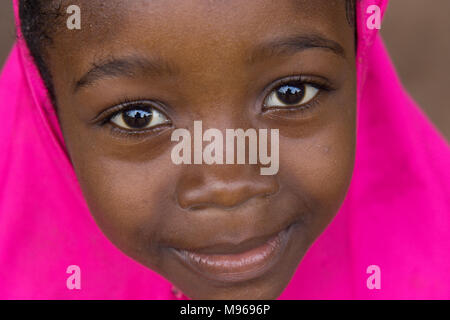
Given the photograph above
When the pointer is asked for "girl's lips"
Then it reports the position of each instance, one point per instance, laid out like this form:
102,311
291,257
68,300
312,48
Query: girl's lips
234,267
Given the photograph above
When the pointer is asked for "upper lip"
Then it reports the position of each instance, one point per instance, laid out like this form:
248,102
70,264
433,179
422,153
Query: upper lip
235,248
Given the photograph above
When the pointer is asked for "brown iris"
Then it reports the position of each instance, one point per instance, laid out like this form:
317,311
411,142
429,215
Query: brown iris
137,119
292,93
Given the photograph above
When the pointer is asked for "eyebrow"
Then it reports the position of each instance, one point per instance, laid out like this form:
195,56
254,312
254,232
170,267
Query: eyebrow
128,66
293,44
133,65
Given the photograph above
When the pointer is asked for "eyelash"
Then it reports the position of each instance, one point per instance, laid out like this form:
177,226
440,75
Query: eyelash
122,105
126,104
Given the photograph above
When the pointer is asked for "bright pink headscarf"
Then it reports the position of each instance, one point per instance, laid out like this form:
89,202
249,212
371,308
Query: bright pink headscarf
396,214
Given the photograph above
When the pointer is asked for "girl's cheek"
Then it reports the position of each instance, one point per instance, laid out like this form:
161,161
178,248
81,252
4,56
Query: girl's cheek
124,197
320,165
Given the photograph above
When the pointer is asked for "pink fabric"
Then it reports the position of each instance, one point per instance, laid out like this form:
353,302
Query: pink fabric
396,214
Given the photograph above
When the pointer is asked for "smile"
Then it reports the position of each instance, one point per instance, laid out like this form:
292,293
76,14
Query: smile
245,263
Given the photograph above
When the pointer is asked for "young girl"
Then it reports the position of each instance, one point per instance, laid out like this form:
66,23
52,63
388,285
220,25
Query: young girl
93,207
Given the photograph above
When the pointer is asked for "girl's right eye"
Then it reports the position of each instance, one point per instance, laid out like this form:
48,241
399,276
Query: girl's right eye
139,118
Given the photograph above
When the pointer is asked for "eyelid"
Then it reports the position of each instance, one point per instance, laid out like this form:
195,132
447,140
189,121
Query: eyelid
317,81
123,105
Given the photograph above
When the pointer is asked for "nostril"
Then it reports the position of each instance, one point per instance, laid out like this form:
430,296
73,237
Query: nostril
224,195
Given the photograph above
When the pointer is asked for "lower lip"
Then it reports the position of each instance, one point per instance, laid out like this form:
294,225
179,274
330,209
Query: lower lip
240,266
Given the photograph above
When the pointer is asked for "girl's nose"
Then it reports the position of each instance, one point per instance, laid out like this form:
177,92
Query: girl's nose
223,186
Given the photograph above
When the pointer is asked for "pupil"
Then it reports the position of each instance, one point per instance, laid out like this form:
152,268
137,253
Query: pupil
291,94
137,118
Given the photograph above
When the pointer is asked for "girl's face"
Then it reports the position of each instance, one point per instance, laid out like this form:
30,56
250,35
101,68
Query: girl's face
138,70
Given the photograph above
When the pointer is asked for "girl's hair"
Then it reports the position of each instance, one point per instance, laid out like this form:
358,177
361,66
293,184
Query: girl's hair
39,17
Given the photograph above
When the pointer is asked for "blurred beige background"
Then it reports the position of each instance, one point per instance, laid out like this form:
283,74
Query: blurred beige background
6,29
417,34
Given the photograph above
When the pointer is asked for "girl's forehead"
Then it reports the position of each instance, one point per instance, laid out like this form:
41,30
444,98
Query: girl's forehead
103,21
195,33
201,5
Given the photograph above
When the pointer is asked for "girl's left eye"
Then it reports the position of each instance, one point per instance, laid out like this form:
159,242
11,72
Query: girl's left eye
139,118
292,94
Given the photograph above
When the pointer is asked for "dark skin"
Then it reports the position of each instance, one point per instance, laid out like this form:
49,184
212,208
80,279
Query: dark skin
142,201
